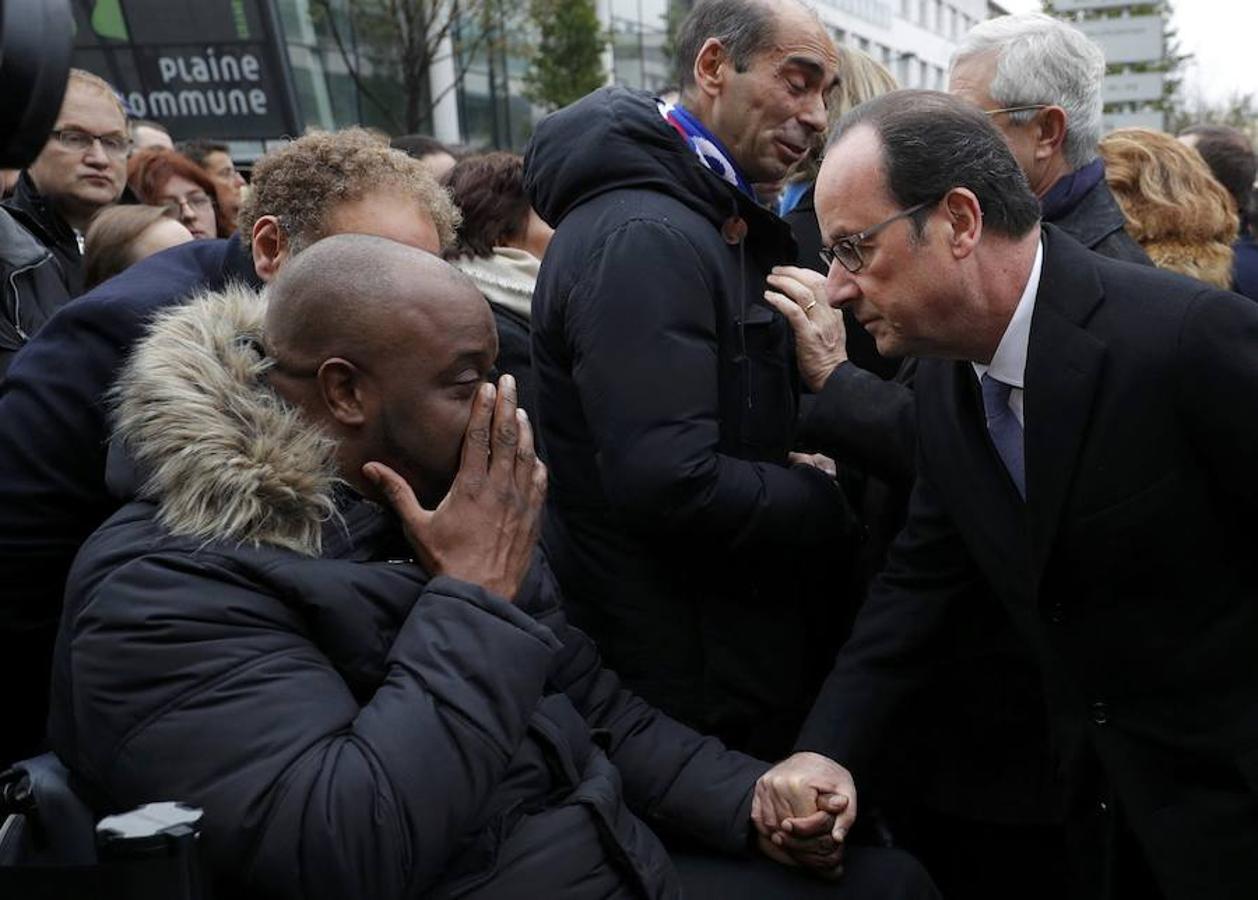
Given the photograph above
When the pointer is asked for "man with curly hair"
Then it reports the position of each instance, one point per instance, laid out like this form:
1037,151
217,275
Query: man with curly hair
54,447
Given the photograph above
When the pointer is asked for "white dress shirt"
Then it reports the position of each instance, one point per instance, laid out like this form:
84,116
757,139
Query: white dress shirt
1008,365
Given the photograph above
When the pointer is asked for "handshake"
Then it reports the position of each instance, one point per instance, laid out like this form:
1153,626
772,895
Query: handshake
803,809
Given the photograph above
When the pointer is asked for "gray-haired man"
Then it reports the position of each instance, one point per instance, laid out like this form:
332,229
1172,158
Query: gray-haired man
1039,80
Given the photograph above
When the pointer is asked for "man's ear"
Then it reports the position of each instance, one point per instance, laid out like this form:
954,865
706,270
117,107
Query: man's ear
1050,131
711,68
965,221
343,392
270,247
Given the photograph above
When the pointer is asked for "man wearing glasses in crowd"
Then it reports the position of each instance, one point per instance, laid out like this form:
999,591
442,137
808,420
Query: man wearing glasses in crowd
1039,80
81,170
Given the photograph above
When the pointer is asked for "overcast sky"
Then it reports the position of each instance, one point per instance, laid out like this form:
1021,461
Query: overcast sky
1221,34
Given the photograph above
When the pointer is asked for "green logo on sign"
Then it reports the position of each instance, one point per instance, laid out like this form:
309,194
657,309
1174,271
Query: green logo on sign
107,20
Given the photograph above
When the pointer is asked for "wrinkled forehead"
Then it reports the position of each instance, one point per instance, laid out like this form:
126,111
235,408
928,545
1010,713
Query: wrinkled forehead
85,103
800,39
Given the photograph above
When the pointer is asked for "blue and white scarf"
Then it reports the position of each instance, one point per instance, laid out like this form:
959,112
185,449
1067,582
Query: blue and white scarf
706,145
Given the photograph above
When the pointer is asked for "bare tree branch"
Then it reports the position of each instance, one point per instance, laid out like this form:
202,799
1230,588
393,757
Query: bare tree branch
350,66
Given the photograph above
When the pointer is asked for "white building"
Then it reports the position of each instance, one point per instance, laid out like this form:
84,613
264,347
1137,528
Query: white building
914,39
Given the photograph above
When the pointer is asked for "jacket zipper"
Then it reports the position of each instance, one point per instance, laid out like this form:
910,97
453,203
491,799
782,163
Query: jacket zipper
17,297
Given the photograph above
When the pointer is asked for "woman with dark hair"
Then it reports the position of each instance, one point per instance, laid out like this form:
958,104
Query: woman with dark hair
121,236
500,245
161,177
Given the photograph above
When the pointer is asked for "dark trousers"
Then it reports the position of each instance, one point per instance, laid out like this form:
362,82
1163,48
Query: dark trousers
984,861
869,873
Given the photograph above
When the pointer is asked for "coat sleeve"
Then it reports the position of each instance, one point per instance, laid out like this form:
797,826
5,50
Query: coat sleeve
676,779
646,366
309,792
1217,377
895,639
673,777
862,420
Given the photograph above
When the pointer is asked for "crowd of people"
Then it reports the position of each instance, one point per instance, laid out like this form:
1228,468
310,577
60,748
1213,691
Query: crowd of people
785,486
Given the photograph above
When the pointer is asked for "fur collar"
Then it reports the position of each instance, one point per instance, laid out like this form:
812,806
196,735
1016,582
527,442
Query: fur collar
221,454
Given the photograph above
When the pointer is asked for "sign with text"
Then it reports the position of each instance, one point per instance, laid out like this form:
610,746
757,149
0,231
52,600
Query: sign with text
1127,40
203,68
1132,87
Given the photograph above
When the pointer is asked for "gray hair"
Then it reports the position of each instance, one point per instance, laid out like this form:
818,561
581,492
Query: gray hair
1044,60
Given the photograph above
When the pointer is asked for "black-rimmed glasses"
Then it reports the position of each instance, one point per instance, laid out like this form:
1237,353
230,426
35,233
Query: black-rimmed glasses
115,145
846,250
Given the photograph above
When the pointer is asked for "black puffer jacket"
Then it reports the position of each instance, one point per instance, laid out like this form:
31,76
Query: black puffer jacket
32,287
37,216
351,728
667,394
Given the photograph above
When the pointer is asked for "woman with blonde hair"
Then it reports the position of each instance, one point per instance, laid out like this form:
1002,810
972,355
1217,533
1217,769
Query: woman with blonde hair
1183,218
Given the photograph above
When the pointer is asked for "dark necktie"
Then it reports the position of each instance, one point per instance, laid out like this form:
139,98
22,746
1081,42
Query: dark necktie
1005,429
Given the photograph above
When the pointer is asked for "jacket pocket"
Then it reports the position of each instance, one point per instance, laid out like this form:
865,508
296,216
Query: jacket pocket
766,405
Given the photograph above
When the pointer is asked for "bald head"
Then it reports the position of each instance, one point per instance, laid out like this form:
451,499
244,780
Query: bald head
385,346
359,297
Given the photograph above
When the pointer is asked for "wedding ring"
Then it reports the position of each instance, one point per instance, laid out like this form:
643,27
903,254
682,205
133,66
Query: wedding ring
808,308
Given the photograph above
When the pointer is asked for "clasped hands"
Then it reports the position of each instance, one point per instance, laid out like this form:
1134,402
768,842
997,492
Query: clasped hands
802,810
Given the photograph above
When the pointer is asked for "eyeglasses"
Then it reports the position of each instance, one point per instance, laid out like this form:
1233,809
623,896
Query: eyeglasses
1014,109
846,250
198,203
116,146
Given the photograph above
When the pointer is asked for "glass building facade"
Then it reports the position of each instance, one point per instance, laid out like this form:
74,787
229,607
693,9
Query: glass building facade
492,57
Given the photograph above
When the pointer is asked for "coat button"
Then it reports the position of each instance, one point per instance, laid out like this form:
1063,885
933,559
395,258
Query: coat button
734,229
1056,614
1100,713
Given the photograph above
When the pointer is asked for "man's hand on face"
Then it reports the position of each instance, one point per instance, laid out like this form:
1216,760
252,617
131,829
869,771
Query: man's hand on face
485,529
803,809
820,338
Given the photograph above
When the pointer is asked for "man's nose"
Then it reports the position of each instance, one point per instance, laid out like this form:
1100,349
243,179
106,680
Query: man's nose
95,154
841,287
813,115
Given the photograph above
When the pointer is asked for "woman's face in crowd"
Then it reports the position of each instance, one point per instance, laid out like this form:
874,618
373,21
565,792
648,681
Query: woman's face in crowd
161,235
189,205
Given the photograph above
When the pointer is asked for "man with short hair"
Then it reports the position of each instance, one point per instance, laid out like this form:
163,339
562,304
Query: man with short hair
686,543
1080,456
1040,79
1230,155
146,133
215,157
53,490
374,705
81,170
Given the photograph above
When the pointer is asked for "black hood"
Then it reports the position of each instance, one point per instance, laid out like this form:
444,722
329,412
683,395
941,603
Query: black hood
615,138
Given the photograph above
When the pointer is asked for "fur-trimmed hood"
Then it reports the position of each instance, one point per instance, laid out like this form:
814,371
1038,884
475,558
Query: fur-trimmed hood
219,452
